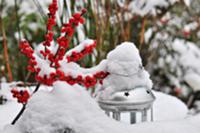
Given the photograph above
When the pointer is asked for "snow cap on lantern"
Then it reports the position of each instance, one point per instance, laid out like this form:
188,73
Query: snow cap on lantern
126,71
124,60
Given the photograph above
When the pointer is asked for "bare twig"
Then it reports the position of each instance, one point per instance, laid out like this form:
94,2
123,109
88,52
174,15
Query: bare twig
19,114
142,32
6,54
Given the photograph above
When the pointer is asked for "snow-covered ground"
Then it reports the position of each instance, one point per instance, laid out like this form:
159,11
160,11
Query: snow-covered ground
75,109
7,112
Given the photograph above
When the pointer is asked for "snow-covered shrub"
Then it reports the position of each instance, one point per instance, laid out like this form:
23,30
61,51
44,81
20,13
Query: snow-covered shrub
173,44
178,65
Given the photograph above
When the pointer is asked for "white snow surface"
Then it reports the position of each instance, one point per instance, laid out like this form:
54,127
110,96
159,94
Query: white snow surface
80,47
193,79
144,7
72,107
168,108
7,112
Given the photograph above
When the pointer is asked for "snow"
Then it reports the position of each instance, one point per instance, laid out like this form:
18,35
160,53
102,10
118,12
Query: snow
5,90
191,26
53,48
144,7
80,47
190,61
148,34
7,112
187,2
126,51
193,79
126,71
168,108
29,7
44,65
72,107
181,65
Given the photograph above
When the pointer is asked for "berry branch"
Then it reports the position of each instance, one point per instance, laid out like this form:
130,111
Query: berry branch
54,62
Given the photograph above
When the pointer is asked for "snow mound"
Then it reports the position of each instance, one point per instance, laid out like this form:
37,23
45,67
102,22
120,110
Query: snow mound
125,52
8,111
71,107
124,59
168,107
66,107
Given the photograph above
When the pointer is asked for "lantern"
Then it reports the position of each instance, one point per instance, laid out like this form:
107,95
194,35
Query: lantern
137,100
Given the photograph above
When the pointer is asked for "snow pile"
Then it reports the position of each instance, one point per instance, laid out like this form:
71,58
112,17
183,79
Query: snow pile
145,7
5,90
125,70
65,107
8,111
168,107
71,107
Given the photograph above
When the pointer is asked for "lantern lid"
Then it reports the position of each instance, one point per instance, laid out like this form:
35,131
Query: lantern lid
139,98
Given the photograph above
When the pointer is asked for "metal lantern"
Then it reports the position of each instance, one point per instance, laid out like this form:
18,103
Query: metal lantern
137,100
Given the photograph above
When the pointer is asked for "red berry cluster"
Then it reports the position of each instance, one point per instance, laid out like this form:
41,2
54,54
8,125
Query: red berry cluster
75,56
101,75
28,51
87,81
48,80
51,22
76,19
22,95
68,31
186,33
53,7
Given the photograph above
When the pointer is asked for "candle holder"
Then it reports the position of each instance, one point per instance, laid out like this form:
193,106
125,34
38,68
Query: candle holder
137,100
